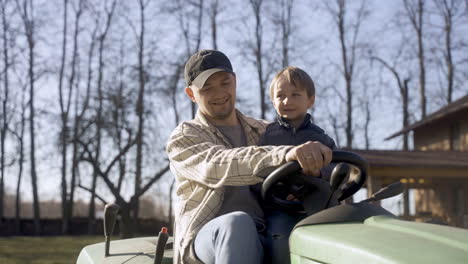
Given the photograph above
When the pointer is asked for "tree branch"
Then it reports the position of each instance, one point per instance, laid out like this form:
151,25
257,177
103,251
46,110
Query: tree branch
153,180
97,195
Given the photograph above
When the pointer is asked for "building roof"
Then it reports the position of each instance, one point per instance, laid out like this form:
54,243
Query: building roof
451,108
414,159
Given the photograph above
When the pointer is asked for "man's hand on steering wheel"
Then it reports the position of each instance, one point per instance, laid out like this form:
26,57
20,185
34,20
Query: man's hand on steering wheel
312,156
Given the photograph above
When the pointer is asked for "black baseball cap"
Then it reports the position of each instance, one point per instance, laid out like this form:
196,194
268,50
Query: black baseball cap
203,64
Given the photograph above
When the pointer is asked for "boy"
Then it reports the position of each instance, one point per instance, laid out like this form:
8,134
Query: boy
292,92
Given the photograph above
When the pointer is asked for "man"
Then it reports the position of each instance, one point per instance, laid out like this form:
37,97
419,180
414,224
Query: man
215,161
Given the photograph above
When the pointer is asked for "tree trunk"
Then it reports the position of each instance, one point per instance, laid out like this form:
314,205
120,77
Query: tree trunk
348,35
173,91
404,94
198,41
91,220
256,6
450,65
92,205
214,25
118,119
70,203
421,58
286,17
64,119
405,107
349,114
20,170
97,155
448,11
416,15
20,162
28,21
347,64
126,230
185,27
171,189
6,91
367,124
37,215
99,120
140,109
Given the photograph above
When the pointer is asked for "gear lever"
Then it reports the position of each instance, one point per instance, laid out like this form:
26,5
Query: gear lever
110,217
338,176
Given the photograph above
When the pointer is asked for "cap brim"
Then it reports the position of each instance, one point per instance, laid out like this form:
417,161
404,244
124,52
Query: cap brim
200,80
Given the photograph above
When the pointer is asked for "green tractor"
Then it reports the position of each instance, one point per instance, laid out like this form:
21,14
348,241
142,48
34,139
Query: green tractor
360,232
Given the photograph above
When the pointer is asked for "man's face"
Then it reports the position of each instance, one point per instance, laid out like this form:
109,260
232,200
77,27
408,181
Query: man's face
291,102
217,97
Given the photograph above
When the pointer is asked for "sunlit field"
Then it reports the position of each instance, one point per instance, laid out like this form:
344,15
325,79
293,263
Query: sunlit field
42,250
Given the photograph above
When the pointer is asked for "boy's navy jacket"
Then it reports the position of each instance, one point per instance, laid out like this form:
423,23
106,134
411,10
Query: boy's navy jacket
283,133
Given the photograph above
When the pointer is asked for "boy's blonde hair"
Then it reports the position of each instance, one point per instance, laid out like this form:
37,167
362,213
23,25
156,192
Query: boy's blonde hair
297,77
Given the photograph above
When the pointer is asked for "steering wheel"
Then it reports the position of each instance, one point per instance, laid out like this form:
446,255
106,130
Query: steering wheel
315,191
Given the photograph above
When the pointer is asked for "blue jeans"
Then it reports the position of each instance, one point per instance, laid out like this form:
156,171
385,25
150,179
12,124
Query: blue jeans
233,238
276,244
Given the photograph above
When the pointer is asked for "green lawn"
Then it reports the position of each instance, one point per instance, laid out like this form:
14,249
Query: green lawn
43,250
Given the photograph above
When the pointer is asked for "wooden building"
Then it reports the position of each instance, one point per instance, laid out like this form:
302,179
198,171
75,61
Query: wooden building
437,168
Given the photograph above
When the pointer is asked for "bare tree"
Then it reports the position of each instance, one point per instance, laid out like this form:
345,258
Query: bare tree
173,89
119,116
5,100
450,11
104,173
336,128
285,23
368,118
113,117
171,203
64,110
8,111
26,10
258,52
109,13
69,195
140,106
403,89
348,34
192,41
415,12
214,12
365,104
78,128
192,44
20,138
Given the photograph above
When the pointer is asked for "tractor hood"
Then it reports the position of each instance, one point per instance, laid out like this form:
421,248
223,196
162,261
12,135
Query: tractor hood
134,250
378,239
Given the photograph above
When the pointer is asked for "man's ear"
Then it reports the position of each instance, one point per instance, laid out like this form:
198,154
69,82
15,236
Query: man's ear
311,101
189,93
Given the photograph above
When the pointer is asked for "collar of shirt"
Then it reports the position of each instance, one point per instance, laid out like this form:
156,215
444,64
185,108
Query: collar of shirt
285,123
249,124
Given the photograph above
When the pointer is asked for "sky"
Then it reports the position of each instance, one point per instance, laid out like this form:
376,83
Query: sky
315,49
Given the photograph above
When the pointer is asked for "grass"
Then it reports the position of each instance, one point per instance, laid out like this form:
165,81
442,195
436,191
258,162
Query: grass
42,250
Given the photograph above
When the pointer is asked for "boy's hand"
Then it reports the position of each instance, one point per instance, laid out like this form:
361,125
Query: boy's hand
291,197
312,156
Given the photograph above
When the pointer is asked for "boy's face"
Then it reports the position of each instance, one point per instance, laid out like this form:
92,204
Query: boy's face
291,102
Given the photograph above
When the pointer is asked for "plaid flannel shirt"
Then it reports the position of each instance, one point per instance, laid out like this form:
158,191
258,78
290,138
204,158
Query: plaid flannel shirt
203,162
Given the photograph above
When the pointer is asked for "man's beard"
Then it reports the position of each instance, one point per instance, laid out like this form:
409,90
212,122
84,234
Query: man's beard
223,115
